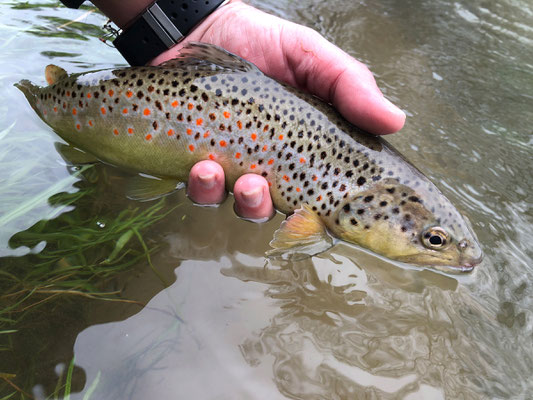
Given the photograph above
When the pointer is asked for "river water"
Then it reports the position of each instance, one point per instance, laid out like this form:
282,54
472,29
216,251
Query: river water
221,321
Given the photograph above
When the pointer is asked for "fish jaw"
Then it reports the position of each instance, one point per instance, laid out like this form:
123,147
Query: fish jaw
393,220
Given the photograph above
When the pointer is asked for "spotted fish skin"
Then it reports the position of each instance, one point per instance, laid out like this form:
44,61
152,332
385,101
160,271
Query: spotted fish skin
210,104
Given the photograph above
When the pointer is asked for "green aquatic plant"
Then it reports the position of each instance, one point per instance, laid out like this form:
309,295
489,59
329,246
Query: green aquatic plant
70,260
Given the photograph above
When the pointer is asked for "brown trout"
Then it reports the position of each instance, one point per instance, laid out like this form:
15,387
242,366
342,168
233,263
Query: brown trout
329,176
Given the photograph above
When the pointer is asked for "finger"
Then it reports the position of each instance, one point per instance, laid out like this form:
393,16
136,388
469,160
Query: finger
206,183
252,198
325,70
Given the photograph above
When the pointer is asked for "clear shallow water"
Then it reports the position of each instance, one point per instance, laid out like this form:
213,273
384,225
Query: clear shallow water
221,321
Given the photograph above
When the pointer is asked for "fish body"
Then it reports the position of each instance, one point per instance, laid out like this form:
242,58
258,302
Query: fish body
210,104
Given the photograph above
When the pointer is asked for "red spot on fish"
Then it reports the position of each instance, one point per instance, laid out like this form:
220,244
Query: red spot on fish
148,137
74,111
125,111
190,106
211,157
103,110
90,123
199,121
130,131
147,111
226,114
252,166
280,137
319,198
189,131
271,161
237,155
269,184
115,131
286,178
175,103
253,136
298,189
55,109
191,147
265,128
206,134
129,94
265,147
302,160
68,93
315,177
239,124
170,132
78,126
223,143
111,92
89,95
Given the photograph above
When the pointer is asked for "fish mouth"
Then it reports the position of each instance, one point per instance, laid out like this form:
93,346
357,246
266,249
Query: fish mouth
465,267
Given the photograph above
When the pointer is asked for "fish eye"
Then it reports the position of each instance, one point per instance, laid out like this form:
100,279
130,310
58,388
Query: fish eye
435,238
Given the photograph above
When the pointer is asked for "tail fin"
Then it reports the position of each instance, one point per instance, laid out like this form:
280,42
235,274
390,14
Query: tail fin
31,92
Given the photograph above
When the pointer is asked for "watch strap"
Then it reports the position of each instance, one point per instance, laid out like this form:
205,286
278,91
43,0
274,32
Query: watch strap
161,26
73,3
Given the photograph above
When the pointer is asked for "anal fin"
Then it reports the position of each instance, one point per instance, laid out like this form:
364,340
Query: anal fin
143,188
74,156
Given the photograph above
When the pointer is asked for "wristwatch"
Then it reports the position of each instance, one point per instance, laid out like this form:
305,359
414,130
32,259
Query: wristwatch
161,26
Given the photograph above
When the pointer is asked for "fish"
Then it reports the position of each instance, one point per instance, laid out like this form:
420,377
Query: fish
333,180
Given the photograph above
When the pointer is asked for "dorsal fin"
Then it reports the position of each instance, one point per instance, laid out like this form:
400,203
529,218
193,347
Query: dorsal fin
53,73
203,56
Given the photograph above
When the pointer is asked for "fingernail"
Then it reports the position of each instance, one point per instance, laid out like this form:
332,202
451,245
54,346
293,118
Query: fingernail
393,108
253,198
207,180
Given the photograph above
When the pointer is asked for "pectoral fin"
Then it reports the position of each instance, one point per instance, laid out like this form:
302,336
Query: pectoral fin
143,188
302,234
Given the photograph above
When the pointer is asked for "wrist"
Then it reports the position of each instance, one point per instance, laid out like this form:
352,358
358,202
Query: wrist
159,25
198,34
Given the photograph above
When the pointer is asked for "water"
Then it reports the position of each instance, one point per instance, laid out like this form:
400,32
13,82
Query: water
222,322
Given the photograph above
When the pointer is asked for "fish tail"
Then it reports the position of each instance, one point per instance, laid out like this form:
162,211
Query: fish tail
31,92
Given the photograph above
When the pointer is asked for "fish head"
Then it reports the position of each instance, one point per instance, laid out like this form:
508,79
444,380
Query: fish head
413,226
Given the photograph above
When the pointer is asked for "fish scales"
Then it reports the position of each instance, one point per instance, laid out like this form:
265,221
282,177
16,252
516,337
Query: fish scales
212,105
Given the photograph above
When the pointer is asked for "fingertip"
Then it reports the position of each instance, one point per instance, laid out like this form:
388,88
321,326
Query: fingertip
252,198
371,111
206,183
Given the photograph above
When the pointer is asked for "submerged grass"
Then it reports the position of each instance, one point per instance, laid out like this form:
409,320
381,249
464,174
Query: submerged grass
70,259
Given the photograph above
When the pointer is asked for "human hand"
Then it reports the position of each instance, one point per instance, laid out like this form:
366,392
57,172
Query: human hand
290,53
252,197
300,57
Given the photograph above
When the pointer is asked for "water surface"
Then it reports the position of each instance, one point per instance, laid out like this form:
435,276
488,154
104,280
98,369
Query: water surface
221,321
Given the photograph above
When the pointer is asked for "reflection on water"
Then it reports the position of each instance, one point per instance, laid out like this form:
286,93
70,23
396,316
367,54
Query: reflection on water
221,321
